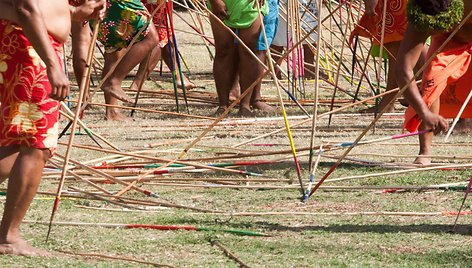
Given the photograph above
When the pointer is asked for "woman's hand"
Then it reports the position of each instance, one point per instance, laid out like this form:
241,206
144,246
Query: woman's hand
219,9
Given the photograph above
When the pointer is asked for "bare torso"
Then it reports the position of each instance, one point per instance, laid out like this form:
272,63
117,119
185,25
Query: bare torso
55,13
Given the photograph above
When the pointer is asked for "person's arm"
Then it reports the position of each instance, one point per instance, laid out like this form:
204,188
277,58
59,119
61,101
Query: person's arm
407,57
89,10
7,12
31,20
370,7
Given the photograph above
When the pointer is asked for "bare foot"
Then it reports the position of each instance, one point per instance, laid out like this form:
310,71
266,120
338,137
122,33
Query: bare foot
260,105
422,160
220,110
188,84
245,112
22,248
113,114
117,92
234,94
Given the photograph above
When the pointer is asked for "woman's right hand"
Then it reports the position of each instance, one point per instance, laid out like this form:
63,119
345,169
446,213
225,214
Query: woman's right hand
219,9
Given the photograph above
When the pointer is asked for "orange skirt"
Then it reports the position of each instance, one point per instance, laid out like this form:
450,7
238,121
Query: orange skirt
448,78
395,23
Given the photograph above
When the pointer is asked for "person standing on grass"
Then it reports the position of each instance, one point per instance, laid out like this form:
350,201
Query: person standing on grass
308,11
231,58
32,82
125,19
162,50
270,22
446,80
371,25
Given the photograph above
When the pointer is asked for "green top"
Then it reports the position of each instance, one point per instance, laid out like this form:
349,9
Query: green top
241,13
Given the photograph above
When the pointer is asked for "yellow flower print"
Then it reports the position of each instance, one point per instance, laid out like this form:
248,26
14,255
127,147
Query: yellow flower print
26,116
10,43
50,139
124,29
36,58
3,67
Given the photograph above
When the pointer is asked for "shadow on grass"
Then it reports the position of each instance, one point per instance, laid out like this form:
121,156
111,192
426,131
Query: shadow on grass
378,228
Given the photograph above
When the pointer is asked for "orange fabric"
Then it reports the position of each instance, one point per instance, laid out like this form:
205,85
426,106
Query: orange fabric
448,77
395,25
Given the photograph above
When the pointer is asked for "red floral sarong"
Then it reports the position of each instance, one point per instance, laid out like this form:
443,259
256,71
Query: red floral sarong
28,116
160,20
448,78
395,23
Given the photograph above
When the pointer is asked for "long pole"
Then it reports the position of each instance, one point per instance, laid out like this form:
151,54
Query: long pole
83,85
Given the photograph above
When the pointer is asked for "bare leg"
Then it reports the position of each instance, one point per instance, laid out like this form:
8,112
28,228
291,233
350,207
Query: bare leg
224,65
168,60
247,65
309,57
278,50
256,97
426,140
391,82
112,113
81,39
154,58
22,186
235,92
135,55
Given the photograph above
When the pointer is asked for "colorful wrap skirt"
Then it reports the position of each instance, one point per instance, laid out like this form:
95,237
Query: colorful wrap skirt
447,78
395,23
160,20
123,21
28,116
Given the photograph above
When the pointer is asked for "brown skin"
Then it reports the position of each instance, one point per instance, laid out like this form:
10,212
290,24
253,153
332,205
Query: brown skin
234,60
152,60
112,86
409,53
24,165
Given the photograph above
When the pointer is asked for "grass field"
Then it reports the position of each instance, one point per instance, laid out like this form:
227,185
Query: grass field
342,227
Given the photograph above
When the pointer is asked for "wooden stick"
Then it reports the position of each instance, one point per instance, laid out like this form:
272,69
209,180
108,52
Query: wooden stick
366,213
228,253
284,113
331,170
113,257
83,88
449,132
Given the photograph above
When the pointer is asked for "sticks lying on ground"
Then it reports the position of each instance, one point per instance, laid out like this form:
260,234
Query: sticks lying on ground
113,257
228,253
154,227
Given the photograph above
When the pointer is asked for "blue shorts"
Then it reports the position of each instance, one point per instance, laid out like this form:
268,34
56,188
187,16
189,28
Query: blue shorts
270,24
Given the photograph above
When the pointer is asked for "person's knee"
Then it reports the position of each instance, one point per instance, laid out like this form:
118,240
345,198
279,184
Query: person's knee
36,154
225,50
152,38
